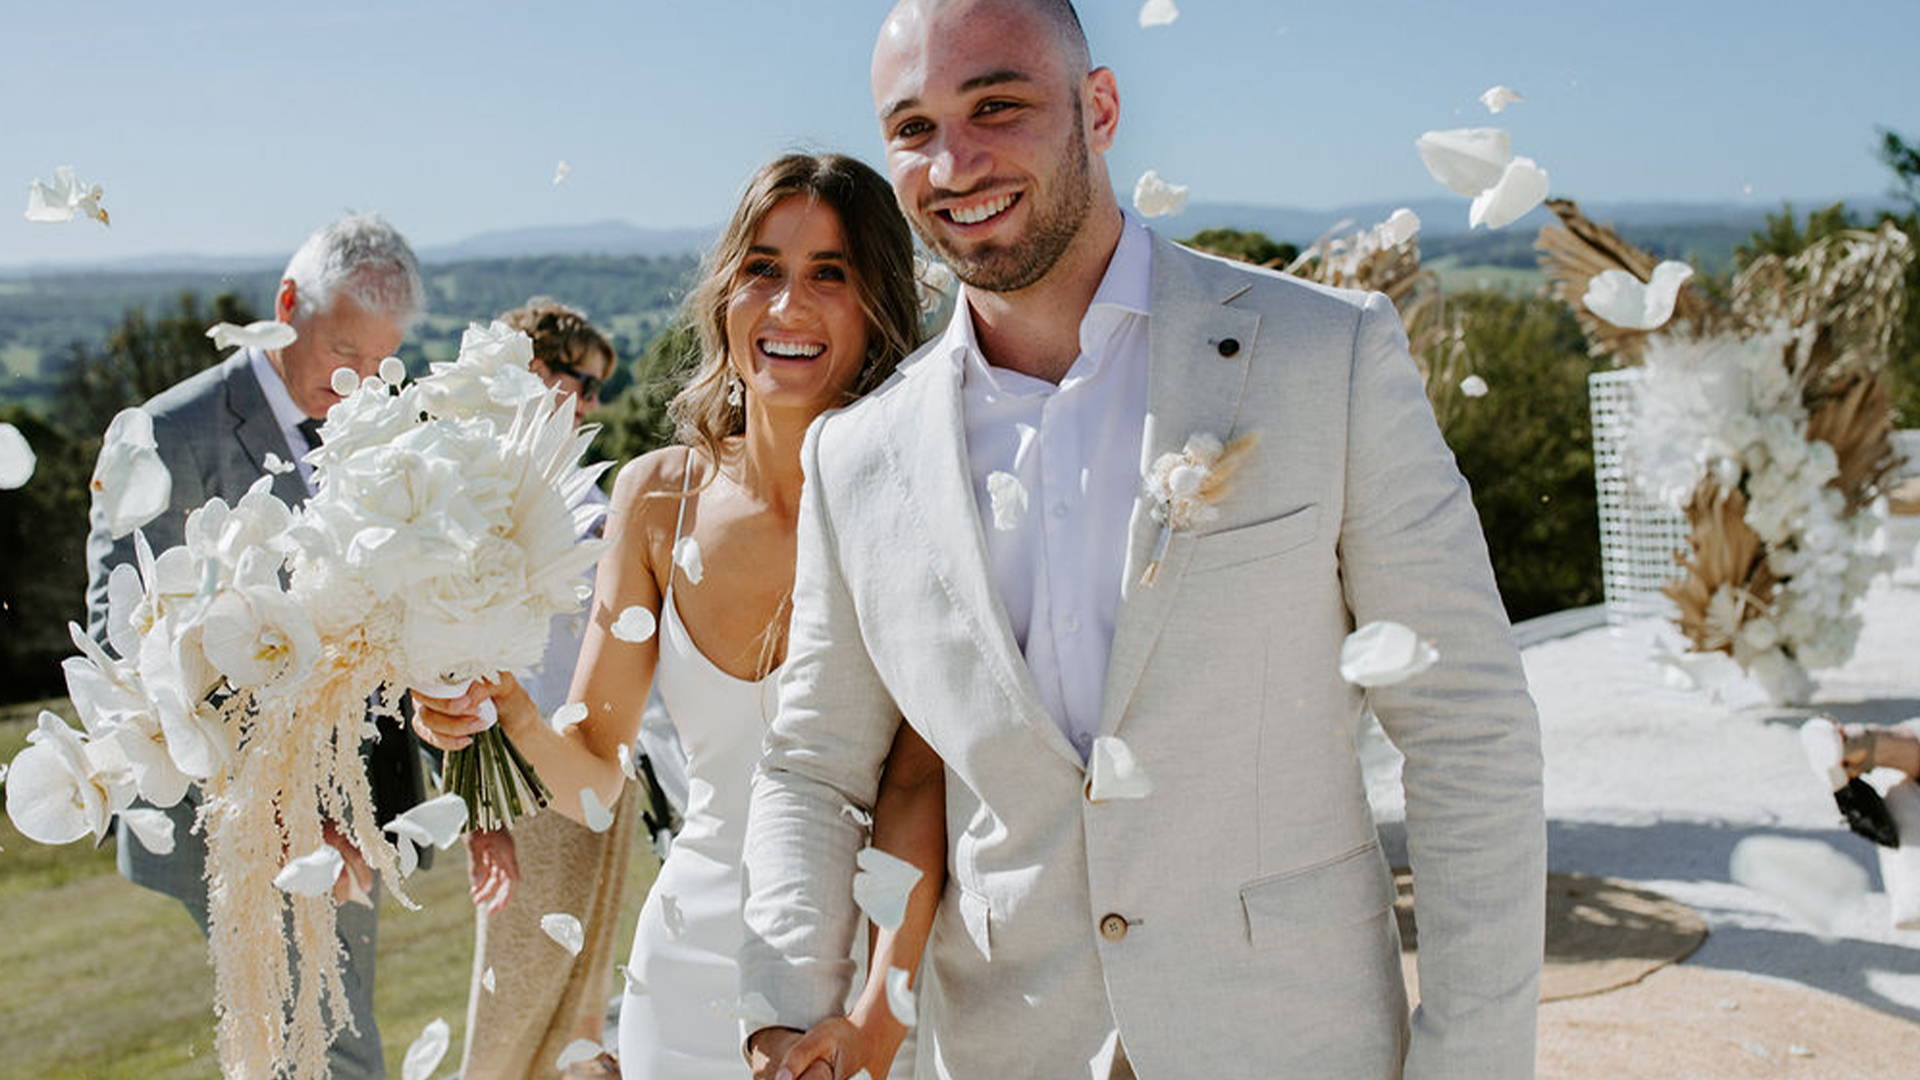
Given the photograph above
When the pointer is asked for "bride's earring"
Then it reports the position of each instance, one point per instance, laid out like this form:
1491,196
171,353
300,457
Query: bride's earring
736,391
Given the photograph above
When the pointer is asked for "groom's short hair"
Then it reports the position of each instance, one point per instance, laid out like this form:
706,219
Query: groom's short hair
1059,14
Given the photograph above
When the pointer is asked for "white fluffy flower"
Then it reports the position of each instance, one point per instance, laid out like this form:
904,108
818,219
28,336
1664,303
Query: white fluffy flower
1383,654
1155,197
1625,301
266,334
60,201
1522,186
130,485
1467,160
16,458
883,885
489,378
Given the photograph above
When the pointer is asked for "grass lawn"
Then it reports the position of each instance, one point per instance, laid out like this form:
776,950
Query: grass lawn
109,981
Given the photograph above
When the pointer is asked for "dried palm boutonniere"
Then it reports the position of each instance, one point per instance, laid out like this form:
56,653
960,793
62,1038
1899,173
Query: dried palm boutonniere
1184,487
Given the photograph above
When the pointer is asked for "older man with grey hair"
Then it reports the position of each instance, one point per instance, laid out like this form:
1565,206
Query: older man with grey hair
350,292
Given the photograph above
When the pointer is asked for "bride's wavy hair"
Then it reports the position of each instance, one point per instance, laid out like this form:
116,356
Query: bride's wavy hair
879,260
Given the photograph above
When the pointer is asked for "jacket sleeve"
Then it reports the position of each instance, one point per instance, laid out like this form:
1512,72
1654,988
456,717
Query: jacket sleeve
1411,551
824,754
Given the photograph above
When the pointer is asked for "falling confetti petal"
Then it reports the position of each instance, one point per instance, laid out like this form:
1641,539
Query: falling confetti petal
1623,300
625,756
568,715
1807,877
1474,386
882,886
561,172
686,555
1497,98
598,818
671,915
487,981
900,997
1522,187
265,334
438,821
312,874
1384,653
424,1055
1158,13
564,929
1114,773
635,625
1154,197
1825,749
858,816
1009,499
1401,226
153,828
276,465
578,1052
130,484
16,458
58,202
393,371
1467,160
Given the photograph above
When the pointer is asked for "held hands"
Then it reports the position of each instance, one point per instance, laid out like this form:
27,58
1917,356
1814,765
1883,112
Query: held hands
451,723
834,1049
492,868
356,877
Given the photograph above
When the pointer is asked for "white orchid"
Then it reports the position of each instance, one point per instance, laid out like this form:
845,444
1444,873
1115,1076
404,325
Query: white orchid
63,785
1383,654
1154,197
882,886
113,705
60,201
16,458
1625,301
1114,773
1467,160
1522,186
424,1055
1158,13
259,635
131,485
268,334
1008,499
1497,98
565,930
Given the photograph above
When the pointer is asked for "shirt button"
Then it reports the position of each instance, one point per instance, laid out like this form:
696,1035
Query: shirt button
1113,927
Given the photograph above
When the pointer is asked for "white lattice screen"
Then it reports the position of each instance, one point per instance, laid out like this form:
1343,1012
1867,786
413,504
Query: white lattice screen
1638,536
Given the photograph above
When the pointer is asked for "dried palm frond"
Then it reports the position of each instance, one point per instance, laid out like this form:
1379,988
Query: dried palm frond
1857,421
1848,289
1726,554
1578,250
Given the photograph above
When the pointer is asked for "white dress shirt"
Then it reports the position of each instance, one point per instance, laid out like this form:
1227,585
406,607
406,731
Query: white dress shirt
285,412
1074,450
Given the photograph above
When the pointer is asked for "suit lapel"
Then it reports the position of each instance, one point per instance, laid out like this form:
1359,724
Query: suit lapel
258,431
928,447
1193,387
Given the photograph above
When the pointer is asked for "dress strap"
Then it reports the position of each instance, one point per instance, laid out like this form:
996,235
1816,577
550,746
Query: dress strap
686,481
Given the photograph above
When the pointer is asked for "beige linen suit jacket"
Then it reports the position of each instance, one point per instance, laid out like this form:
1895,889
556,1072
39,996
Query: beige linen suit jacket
1236,922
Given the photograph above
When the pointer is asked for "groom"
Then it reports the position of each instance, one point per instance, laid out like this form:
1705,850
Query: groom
350,292
974,553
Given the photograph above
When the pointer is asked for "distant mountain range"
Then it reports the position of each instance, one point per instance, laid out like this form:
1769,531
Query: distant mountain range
1440,217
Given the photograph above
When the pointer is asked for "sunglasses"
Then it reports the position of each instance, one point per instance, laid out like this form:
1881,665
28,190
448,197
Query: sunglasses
589,384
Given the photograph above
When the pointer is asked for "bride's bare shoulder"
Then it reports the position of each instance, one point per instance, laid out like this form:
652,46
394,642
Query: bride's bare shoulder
657,472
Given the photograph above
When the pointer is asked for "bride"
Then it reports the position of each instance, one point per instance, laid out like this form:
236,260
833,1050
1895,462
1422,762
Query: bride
807,301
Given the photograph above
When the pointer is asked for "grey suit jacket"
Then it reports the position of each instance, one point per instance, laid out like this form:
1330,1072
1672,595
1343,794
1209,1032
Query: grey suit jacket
214,432
1235,923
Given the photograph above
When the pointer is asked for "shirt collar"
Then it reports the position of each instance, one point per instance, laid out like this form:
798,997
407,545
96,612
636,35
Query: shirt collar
285,412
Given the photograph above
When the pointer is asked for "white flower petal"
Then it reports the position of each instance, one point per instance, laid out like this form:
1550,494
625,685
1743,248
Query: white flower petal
635,625
568,715
1114,773
598,818
438,821
487,981
393,371
312,874
16,458
266,334
560,172
1384,653
624,754
686,555
131,485
1809,878
900,997
1008,498
672,916
276,465
1522,186
1821,742
1625,301
153,829
564,929
1467,160
345,381
1474,386
1497,98
1401,226
1158,13
1154,197
577,1052
60,201
424,1055
44,797
883,885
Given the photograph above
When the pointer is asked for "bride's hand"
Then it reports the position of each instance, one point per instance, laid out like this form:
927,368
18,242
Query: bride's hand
838,1046
451,723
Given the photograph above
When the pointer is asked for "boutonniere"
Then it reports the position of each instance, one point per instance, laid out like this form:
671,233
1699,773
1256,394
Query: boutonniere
1186,485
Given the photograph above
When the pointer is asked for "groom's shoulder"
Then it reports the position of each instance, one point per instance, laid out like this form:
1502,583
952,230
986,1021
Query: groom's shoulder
860,422
1266,289
197,396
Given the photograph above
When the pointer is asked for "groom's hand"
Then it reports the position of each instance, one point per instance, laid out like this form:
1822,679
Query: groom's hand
768,1050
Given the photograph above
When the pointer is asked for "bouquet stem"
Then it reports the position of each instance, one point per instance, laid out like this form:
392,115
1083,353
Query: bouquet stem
497,783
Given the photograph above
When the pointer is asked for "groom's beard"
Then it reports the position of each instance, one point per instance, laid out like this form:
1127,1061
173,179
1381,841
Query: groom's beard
1010,268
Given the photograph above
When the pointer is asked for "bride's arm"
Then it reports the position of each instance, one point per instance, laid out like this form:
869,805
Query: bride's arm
611,677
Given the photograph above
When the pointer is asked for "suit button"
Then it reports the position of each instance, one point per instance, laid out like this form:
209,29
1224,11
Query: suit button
1113,927
1229,347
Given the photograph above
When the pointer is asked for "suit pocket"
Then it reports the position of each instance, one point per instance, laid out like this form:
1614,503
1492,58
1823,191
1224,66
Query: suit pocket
1351,888
1250,543
976,914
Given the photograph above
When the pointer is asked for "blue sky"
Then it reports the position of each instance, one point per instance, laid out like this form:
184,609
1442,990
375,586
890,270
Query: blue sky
223,127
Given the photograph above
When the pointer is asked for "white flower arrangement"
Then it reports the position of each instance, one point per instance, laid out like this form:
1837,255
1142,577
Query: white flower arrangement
1731,408
1185,484
448,527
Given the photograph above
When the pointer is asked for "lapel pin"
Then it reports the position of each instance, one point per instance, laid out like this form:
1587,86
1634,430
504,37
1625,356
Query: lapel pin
1229,347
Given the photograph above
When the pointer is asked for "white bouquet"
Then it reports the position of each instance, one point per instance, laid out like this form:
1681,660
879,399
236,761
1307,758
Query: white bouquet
448,527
